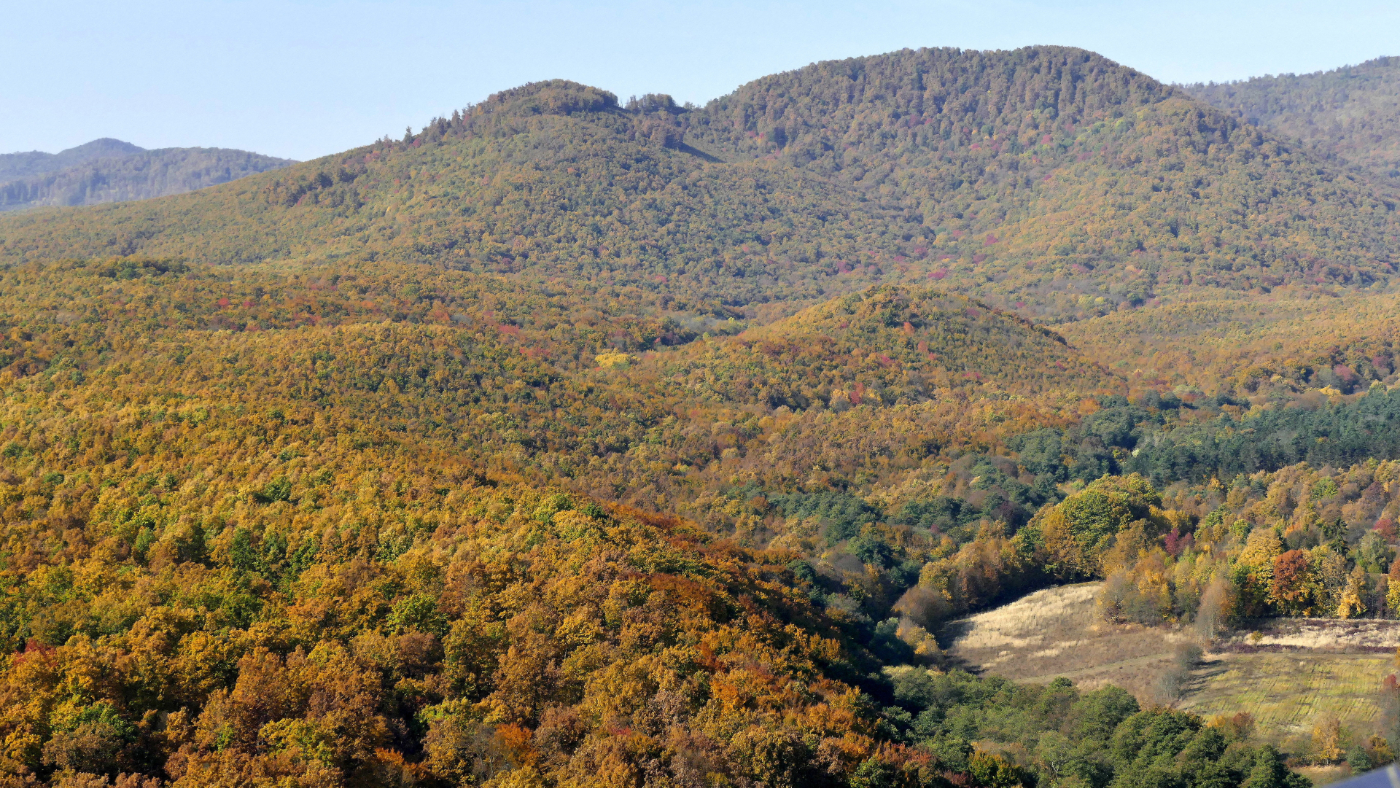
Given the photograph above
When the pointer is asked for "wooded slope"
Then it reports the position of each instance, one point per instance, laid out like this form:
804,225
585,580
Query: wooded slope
1047,179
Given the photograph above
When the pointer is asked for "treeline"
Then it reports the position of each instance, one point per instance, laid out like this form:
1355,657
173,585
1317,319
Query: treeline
1341,434
1168,440
1058,735
1212,442
1296,542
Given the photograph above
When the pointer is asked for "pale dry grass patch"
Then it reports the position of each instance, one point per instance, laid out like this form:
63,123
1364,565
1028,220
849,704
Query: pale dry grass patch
1030,620
1059,632
1317,634
1324,775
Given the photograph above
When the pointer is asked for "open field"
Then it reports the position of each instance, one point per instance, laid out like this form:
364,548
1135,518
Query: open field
1058,632
1287,673
1289,692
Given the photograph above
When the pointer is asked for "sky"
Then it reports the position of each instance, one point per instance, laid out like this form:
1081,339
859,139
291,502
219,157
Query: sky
307,78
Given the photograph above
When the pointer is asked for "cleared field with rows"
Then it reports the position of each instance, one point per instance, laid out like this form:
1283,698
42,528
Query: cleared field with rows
1289,692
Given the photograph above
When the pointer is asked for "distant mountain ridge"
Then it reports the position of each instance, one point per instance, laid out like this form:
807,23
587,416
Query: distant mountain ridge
1352,112
1049,180
110,170
24,165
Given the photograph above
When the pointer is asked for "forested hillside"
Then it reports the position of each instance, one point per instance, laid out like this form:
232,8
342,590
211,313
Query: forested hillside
783,432
1352,112
248,534
1247,347
261,587
1051,180
1049,168
574,442
109,170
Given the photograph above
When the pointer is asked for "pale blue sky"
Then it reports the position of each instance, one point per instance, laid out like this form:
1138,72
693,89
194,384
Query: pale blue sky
304,78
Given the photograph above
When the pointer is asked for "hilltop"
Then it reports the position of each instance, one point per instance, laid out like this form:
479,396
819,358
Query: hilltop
108,170
1352,113
1054,171
1048,180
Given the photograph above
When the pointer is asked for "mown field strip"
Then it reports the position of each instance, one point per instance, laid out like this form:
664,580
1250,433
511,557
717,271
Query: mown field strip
1288,693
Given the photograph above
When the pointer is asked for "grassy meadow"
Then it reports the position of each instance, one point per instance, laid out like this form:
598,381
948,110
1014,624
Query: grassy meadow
1290,692
1058,632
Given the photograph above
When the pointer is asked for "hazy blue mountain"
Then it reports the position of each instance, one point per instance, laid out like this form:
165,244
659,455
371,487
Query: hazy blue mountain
23,165
109,170
1351,112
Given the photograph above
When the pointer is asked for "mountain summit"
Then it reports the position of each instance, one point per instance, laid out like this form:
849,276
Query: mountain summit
1047,179
23,165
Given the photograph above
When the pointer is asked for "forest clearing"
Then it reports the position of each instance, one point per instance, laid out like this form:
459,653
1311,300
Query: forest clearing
1059,632
1290,675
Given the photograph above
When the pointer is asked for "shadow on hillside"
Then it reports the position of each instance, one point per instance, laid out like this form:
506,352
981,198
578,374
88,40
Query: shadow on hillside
1203,672
949,634
954,662
684,148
